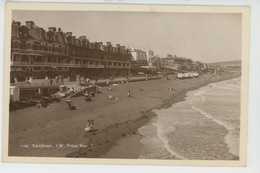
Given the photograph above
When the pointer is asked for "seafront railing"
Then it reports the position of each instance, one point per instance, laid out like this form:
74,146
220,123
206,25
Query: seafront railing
49,64
33,84
47,82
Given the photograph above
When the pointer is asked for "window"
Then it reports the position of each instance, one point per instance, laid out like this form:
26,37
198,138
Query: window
23,45
14,58
24,58
37,68
18,69
46,47
13,69
38,59
15,44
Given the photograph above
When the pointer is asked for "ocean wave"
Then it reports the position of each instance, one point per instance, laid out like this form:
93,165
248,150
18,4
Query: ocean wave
214,102
231,138
227,87
162,136
156,144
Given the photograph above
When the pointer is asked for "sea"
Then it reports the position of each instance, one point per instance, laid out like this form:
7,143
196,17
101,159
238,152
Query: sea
204,126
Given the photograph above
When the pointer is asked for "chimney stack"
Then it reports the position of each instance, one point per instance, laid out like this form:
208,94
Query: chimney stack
52,29
73,39
82,37
68,34
18,24
123,48
109,44
29,24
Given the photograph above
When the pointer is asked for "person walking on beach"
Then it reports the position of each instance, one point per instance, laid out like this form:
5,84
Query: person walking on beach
129,94
87,97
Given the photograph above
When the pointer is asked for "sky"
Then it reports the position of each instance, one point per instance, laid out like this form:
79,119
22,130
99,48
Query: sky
205,37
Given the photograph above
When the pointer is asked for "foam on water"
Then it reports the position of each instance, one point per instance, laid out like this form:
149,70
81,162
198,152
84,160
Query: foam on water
218,103
156,146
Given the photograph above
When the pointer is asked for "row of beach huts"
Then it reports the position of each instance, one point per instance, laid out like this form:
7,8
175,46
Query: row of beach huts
187,75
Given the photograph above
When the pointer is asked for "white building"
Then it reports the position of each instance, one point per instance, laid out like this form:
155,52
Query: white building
150,55
139,57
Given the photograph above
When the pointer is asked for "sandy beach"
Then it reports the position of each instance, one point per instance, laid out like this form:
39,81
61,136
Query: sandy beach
59,132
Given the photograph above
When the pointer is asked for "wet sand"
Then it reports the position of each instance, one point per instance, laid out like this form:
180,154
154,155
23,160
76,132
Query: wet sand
59,132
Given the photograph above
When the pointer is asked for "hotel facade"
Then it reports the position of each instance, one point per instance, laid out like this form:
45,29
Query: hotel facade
181,63
46,54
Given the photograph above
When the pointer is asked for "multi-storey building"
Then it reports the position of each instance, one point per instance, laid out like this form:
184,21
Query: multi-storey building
39,54
150,55
156,62
177,63
139,57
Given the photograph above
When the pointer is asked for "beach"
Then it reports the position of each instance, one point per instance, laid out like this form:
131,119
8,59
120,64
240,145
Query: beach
59,132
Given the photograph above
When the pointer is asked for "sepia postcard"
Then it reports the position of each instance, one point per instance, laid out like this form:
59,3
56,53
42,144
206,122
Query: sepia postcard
126,84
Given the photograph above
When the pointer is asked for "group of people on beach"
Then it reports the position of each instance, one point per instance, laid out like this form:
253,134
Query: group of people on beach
42,104
110,97
89,95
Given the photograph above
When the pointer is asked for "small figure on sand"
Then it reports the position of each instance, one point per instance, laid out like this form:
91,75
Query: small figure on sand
44,103
71,107
171,89
90,126
87,97
92,94
110,97
39,105
129,94
51,81
141,89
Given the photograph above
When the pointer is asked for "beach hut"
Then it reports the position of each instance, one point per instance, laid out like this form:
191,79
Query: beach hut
180,76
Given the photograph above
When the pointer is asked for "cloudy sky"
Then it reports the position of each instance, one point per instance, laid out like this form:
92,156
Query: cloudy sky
199,36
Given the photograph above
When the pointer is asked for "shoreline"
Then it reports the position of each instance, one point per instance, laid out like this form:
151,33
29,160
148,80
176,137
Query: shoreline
135,152
147,116
63,127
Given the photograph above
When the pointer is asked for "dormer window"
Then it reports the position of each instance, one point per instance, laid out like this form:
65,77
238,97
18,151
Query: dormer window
23,32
